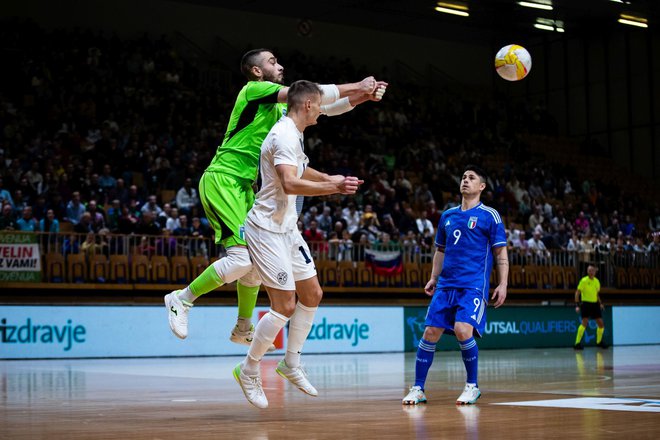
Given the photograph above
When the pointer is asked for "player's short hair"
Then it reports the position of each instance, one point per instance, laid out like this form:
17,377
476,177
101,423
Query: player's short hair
300,91
476,169
251,59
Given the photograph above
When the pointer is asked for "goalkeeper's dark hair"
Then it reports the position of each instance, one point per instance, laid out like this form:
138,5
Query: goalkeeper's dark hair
249,60
300,91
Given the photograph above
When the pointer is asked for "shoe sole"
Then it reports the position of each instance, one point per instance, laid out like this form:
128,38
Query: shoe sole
236,373
169,319
241,341
277,370
472,402
412,402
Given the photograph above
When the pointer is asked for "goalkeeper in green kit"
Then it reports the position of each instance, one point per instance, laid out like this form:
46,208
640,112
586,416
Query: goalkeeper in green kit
226,186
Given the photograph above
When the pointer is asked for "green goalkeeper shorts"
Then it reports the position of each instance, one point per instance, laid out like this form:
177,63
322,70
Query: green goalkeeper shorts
226,200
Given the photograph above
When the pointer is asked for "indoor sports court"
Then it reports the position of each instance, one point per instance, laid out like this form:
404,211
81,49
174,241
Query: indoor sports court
530,393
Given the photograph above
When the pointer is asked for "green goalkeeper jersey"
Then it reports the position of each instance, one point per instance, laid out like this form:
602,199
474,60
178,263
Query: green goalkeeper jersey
255,112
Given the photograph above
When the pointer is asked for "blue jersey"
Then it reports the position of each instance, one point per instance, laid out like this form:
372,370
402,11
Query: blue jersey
467,238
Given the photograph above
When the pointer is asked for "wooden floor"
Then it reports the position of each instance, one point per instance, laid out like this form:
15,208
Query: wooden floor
592,394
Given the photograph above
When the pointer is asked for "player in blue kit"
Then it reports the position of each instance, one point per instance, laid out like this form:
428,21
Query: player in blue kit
468,236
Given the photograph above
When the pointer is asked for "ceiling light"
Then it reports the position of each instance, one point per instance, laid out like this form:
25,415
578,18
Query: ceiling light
539,4
633,20
545,27
455,8
548,24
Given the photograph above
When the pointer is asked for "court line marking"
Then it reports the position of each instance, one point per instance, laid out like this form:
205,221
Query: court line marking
599,403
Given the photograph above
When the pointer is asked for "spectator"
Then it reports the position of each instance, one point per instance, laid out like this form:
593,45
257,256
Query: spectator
537,247
352,217
536,218
147,224
74,209
5,196
424,223
107,181
27,223
172,223
7,221
182,230
49,223
581,223
152,207
97,216
186,197
85,224
34,178
315,238
324,221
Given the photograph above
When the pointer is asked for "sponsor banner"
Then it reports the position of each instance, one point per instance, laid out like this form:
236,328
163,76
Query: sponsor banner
142,331
516,327
356,330
636,325
20,259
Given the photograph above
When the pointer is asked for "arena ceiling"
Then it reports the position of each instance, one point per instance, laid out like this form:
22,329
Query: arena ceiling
488,20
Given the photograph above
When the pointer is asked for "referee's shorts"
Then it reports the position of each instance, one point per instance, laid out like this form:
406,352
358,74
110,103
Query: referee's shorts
590,310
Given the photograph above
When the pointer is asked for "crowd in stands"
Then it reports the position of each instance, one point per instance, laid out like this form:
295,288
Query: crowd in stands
111,136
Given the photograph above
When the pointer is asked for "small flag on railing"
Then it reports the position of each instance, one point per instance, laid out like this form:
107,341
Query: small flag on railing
384,263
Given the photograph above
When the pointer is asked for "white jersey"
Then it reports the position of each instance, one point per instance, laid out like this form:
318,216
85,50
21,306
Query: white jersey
273,209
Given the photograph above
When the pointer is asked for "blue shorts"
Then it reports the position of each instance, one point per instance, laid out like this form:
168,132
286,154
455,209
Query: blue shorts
457,305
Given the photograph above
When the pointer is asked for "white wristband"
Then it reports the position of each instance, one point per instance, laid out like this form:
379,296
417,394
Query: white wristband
330,93
338,107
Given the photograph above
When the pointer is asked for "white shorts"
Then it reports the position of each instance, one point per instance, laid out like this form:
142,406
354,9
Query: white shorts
280,259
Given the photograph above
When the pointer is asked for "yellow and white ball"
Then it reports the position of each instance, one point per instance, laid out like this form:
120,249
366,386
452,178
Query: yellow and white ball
513,62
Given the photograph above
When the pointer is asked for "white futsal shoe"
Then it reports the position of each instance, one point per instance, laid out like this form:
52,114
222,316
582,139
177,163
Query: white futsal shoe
469,395
177,314
245,337
415,396
252,388
296,376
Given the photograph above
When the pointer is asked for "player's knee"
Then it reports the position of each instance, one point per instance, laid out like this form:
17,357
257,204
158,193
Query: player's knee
285,308
235,265
251,279
463,331
432,334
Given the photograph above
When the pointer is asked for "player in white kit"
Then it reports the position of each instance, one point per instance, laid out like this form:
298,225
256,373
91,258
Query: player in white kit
277,248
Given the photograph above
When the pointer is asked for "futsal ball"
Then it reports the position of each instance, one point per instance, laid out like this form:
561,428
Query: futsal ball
513,62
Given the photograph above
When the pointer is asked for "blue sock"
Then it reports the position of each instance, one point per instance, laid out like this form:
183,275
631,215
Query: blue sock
470,353
425,352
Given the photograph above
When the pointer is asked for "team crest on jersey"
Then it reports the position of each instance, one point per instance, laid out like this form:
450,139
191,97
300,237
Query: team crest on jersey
282,277
472,223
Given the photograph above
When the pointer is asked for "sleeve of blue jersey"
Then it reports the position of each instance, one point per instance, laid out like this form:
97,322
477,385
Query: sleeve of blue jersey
497,234
440,236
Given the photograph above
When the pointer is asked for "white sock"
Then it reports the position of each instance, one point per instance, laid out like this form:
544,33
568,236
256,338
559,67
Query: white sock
299,327
243,324
187,295
264,335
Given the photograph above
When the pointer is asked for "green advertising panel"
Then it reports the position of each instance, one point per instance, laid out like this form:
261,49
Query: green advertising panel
19,257
516,327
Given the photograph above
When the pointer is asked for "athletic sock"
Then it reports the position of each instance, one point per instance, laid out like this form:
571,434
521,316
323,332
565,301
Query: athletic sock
580,333
299,327
425,353
186,296
206,281
247,300
264,335
599,335
470,353
243,324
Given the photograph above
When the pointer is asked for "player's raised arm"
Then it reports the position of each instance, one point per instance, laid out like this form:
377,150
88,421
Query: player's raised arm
292,184
502,264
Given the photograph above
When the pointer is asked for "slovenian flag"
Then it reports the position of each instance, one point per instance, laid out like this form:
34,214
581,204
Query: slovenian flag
384,263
